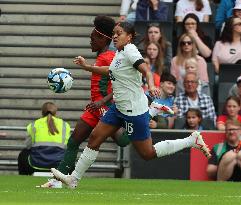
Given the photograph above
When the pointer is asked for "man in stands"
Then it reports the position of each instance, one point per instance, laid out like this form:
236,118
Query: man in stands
225,163
190,98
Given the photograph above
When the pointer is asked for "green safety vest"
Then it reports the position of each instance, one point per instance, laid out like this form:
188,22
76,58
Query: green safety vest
38,130
47,150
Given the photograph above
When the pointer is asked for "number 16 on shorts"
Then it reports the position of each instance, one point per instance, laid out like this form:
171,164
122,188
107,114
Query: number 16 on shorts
129,127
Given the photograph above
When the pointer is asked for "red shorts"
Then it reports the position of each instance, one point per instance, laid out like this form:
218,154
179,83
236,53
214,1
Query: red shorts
92,118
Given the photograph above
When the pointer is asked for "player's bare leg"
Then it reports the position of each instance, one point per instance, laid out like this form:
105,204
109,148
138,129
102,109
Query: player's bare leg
148,151
89,155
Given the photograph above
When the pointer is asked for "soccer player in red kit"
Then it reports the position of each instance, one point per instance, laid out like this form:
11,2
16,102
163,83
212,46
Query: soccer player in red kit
101,96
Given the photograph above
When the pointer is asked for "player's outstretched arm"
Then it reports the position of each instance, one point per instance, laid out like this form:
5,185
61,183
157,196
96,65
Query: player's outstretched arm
102,70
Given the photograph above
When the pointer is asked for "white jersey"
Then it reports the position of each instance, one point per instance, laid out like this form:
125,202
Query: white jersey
129,96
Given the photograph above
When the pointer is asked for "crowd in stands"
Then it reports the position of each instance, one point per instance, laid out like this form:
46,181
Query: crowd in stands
206,34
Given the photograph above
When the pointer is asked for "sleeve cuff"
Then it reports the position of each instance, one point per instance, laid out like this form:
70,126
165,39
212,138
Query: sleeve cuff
138,62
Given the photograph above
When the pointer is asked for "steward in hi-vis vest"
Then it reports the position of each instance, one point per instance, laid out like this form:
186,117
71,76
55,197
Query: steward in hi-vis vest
49,136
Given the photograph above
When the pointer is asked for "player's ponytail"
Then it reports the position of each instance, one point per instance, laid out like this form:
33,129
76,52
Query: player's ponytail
49,109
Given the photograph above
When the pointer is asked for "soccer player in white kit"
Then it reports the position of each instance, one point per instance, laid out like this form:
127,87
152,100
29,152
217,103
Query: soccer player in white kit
130,108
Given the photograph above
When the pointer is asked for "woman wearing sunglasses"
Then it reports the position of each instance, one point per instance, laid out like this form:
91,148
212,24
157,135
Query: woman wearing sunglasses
186,49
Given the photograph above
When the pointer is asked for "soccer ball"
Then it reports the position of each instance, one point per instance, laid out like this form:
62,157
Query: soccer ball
59,80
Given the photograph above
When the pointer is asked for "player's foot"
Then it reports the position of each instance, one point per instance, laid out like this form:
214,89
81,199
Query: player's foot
52,183
198,143
68,180
161,108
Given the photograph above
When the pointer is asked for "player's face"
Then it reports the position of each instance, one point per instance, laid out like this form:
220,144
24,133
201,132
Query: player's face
190,24
120,37
233,133
232,108
193,120
168,87
154,34
152,51
97,42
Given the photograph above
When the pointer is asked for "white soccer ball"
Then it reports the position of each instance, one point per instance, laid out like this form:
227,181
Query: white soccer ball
59,80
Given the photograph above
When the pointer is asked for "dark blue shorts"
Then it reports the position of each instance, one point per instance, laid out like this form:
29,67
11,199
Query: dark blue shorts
137,127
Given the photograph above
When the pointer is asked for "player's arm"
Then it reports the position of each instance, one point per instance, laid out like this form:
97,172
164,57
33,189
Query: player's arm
102,70
98,104
143,68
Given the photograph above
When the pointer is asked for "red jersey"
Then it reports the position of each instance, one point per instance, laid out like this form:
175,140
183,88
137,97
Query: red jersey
100,84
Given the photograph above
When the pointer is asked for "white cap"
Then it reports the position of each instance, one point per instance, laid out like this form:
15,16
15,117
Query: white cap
237,5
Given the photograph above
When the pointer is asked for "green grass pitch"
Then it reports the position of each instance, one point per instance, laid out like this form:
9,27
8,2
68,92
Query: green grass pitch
21,190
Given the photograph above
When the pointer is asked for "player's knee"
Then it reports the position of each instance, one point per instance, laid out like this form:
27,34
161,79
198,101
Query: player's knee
93,142
147,154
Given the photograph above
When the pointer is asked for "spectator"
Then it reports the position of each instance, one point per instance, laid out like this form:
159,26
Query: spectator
223,12
167,87
193,119
128,11
236,89
224,165
187,49
151,10
191,25
237,9
49,135
154,34
191,66
232,108
199,7
228,48
190,98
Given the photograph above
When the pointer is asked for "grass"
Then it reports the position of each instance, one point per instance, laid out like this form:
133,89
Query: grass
21,190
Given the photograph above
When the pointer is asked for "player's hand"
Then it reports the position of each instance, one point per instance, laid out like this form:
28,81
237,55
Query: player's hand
153,124
155,92
79,60
93,106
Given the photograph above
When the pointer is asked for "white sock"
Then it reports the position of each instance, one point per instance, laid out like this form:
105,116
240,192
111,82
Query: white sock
86,159
153,112
171,146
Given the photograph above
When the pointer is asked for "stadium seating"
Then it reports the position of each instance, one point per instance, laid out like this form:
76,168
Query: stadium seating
37,35
228,74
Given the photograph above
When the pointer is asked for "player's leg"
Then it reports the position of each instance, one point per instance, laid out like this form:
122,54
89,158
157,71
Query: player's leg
121,137
148,151
226,166
139,132
89,155
108,125
81,132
